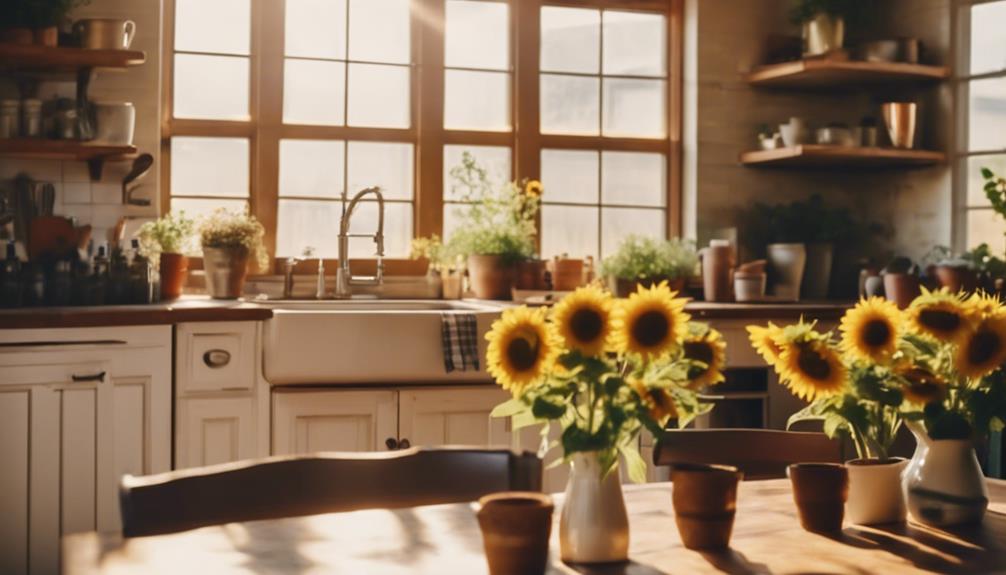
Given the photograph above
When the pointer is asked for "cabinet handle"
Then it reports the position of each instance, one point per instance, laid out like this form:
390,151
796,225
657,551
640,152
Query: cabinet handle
216,358
404,444
391,443
93,377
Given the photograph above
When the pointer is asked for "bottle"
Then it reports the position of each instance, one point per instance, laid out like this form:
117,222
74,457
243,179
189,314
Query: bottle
118,278
60,287
140,279
10,278
99,278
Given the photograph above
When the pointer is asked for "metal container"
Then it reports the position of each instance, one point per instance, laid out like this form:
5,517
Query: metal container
900,119
31,118
823,34
10,118
880,51
226,270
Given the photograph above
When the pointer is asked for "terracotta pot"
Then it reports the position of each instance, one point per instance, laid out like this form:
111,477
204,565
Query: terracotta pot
48,36
516,527
226,270
491,277
875,495
174,271
901,288
820,491
567,274
17,36
531,275
624,288
705,502
817,273
957,279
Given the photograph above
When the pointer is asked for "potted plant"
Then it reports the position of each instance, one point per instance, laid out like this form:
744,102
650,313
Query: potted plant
229,241
648,261
16,22
602,369
991,270
165,241
47,15
823,23
901,281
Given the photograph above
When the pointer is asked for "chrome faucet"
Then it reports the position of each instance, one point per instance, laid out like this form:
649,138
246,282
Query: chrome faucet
344,280
288,268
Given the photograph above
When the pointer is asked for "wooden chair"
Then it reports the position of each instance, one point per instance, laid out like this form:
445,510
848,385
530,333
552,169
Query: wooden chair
759,453
277,487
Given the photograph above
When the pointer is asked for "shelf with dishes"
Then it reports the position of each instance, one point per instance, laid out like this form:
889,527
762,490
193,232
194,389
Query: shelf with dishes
41,149
830,73
56,60
832,156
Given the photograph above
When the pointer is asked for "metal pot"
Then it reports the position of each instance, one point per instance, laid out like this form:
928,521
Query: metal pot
900,119
823,34
226,270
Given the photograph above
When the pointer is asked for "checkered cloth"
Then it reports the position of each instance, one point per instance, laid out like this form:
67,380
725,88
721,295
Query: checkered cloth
460,335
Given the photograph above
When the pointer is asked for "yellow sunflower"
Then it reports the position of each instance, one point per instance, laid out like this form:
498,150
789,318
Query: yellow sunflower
922,386
583,319
705,347
659,402
982,305
651,322
534,188
522,348
870,330
811,369
939,314
764,339
983,349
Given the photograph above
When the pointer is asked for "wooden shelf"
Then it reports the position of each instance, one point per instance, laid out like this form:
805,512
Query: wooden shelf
819,73
29,58
94,154
817,156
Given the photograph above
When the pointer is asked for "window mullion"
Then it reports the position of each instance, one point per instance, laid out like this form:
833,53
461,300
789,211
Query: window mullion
526,23
426,16
267,90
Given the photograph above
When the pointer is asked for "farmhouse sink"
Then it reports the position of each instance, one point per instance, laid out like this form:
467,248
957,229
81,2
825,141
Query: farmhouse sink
360,342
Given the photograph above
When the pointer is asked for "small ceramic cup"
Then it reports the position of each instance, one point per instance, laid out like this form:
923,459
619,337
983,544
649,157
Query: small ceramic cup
516,527
705,502
820,491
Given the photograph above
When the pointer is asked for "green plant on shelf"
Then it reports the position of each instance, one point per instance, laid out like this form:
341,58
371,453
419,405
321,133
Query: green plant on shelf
640,257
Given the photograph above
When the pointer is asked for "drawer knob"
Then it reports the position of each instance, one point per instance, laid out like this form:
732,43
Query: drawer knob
391,443
404,444
216,358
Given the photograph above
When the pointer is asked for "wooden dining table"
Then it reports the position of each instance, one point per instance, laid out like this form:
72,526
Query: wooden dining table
445,539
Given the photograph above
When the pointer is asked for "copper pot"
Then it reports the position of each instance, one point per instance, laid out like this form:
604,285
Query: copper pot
226,270
174,270
900,118
491,277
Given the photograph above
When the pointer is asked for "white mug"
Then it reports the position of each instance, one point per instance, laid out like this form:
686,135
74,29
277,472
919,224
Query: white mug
116,122
105,33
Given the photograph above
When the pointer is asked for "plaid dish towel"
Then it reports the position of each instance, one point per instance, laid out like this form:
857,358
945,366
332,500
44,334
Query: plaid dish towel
460,335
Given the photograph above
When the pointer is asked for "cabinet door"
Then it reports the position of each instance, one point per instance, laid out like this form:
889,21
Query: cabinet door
312,421
215,430
453,416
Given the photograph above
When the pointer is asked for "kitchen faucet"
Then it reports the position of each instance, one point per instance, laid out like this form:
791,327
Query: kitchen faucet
344,280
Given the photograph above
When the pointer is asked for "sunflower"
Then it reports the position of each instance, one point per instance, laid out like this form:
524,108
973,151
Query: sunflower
651,322
707,351
764,339
982,305
583,319
939,314
534,188
983,349
522,348
659,402
870,330
922,386
811,369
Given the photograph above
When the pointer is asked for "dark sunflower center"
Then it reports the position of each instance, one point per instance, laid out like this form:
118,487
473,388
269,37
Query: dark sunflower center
983,347
876,333
522,354
813,364
586,325
651,328
699,351
940,320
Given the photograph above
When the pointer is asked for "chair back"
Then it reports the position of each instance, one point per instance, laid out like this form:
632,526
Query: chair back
759,453
289,486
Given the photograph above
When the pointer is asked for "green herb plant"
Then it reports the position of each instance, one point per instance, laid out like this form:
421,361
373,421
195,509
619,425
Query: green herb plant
641,258
170,234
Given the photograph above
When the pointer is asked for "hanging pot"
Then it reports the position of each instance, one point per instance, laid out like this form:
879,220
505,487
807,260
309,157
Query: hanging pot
491,277
943,483
875,494
823,34
226,270
174,269
817,273
594,527
786,263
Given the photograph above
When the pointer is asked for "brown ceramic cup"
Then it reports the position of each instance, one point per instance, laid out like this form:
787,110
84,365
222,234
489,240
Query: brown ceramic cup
820,491
705,502
516,527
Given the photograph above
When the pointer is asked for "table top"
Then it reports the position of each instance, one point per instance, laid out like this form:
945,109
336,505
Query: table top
446,539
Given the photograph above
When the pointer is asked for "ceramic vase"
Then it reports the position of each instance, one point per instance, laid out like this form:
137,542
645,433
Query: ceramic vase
226,270
943,483
787,263
823,34
594,526
875,494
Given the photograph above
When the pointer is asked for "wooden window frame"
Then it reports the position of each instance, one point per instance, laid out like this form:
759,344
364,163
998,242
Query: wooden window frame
265,128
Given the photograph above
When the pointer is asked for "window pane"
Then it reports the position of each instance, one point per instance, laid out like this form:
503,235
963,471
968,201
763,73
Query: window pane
494,160
379,96
221,26
314,93
379,31
988,43
311,168
988,114
211,87
316,28
976,184
307,223
617,223
633,179
451,219
477,35
397,229
634,108
569,105
569,176
986,227
209,167
477,101
386,165
634,44
570,40
568,230
199,208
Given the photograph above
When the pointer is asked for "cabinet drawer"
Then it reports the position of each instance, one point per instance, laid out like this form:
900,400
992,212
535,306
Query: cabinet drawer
215,356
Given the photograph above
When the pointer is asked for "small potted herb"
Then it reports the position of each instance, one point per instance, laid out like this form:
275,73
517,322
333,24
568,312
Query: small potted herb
38,21
647,261
167,239
229,241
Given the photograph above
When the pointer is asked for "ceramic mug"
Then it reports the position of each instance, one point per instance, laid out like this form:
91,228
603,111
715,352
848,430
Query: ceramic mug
105,33
116,123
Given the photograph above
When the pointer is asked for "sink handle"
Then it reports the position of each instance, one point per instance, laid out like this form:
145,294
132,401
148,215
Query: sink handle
404,444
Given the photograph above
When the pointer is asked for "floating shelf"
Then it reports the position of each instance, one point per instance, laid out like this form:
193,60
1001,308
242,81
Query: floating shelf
820,73
817,156
94,154
29,58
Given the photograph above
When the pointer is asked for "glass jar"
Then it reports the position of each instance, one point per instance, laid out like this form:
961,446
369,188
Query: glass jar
31,118
10,121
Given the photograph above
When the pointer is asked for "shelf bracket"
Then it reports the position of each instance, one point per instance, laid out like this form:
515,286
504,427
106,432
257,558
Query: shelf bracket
95,167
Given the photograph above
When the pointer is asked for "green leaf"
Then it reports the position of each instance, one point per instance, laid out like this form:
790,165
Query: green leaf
508,408
987,174
805,414
833,424
634,462
545,409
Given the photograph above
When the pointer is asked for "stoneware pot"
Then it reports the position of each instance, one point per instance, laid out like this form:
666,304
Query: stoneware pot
594,526
174,269
944,485
820,491
901,288
226,270
531,275
624,288
817,273
786,264
491,277
17,36
705,502
516,527
957,278
823,34
48,36
875,494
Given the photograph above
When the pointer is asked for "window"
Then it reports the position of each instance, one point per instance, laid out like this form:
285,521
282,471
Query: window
287,107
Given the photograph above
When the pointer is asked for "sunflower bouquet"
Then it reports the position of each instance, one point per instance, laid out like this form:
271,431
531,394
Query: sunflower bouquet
604,369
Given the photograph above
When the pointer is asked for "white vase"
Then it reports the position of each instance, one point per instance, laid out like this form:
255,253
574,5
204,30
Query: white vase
943,483
594,527
875,493
786,266
823,34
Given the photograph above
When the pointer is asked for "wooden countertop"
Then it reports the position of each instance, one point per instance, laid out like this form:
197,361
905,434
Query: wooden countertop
186,309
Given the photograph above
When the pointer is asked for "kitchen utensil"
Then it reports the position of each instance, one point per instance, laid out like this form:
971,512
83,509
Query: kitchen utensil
900,119
105,33
141,166
116,122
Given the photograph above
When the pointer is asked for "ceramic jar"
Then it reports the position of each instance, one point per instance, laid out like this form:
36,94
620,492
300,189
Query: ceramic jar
875,494
943,483
594,526
787,263
823,34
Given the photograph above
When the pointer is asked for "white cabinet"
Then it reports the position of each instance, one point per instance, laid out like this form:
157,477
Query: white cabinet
214,430
311,421
453,416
